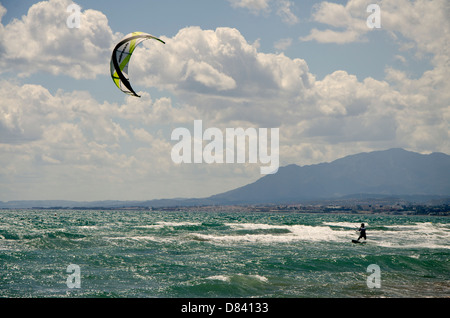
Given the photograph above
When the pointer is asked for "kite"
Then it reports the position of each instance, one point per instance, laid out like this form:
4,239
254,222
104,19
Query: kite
121,57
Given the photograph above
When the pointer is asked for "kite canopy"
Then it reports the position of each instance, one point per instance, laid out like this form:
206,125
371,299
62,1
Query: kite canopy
121,57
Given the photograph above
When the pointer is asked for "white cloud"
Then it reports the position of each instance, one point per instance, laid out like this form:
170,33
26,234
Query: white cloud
283,8
400,58
143,135
205,74
255,6
411,113
99,149
272,90
284,11
424,23
219,70
349,17
72,139
41,41
283,44
331,36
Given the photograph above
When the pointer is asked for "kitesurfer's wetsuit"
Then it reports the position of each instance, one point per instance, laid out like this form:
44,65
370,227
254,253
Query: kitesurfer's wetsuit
362,229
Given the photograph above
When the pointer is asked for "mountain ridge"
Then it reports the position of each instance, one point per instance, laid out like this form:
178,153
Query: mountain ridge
392,172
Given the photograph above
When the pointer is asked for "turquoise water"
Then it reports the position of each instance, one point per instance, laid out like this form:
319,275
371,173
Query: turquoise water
198,254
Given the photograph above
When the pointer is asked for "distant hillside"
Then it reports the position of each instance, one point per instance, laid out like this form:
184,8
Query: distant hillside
393,172
389,172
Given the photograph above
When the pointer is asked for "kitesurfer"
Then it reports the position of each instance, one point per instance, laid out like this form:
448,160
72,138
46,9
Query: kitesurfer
362,231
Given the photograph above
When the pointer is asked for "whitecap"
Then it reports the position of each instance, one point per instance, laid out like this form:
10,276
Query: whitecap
293,233
219,277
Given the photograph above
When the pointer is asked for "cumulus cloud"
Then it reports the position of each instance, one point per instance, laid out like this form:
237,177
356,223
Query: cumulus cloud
72,138
219,70
283,44
255,6
255,89
230,82
424,24
411,113
349,17
98,150
284,11
216,76
42,41
283,8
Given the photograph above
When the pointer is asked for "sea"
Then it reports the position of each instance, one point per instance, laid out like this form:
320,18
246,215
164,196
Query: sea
189,254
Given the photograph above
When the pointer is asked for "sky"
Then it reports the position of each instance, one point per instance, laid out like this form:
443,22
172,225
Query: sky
315,70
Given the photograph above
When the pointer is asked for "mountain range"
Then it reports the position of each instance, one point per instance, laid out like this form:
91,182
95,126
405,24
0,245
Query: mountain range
393,172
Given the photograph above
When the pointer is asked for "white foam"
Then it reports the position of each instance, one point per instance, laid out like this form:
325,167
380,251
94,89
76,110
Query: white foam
255,226
423,235
260,278
178,223
293,233
142,238
226,278
89,227
220,277
346,224
162,224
